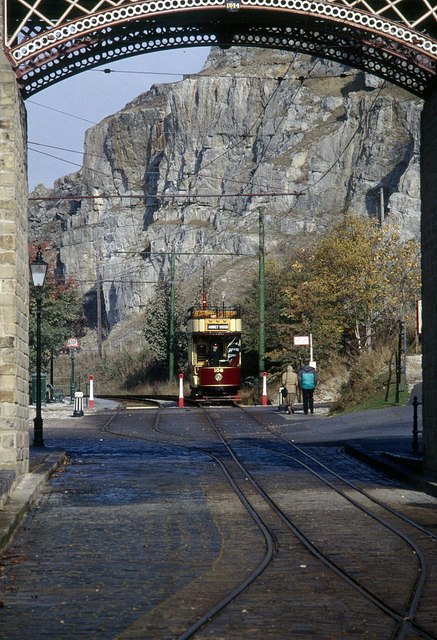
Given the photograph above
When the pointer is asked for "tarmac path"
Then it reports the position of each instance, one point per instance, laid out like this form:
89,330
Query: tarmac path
137,535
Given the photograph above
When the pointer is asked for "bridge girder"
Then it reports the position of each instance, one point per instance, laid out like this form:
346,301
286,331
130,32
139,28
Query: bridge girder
47,40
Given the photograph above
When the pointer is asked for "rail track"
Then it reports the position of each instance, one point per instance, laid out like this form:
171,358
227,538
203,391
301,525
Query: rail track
382,557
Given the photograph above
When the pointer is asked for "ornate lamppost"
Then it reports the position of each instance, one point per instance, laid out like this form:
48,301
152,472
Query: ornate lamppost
38,268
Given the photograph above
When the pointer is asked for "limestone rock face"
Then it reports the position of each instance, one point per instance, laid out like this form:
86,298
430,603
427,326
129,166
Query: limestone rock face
188,166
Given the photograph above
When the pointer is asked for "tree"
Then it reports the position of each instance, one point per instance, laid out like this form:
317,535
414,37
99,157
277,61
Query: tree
62,315
356,285
349,288
156,330
279,327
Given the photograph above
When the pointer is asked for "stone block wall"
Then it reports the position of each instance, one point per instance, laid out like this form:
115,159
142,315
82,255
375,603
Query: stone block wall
429,277
14,277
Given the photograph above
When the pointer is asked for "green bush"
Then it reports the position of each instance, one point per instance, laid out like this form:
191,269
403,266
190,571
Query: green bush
369,385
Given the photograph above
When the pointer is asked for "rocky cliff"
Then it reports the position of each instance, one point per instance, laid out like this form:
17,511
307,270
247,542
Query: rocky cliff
188,166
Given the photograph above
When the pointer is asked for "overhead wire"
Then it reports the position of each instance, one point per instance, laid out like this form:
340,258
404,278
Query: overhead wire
262,155
190,75
64,113
239,194
254,194
99,156
205,73
122,195
355,133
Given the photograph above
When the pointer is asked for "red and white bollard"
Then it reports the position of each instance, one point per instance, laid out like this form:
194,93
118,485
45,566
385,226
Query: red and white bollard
264,395
181,391
91,398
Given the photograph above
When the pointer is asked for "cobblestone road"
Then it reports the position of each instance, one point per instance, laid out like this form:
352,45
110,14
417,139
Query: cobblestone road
136,538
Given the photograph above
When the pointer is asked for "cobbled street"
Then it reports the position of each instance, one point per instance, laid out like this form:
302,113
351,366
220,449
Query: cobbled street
140,532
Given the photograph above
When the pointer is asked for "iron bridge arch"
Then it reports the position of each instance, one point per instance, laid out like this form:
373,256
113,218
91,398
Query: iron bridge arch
49,40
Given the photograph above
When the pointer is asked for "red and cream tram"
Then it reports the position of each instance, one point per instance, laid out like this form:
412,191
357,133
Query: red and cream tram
214,352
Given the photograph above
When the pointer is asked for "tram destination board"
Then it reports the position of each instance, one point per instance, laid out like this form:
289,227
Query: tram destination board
217,326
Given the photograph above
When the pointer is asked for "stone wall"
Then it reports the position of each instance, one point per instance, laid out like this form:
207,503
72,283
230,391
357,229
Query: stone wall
14,277
429,277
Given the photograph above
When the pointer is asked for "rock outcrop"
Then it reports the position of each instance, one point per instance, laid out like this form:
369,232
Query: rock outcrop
188,166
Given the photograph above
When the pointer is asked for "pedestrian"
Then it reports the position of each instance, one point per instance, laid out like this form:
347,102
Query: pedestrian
289,385
307,376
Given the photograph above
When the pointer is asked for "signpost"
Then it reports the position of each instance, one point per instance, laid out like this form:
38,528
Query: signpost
72,344
306,341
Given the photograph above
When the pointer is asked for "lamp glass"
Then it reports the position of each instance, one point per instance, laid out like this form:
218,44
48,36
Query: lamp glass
38,268
38,273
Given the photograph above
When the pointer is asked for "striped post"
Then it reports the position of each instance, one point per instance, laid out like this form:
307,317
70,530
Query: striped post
181,391
91,399
264,395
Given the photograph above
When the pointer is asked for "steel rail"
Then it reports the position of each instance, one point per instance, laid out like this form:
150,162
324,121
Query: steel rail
405,624
267,534
421,577
354,486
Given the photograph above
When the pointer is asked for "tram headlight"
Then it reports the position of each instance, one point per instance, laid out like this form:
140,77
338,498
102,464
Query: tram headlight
218,377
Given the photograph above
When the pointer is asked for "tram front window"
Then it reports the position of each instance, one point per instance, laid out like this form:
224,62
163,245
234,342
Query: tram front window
201,352
215,355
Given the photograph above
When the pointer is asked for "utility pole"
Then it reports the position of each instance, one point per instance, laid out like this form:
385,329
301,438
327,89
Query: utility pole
261,341
381,205
99,306
171,319
400,364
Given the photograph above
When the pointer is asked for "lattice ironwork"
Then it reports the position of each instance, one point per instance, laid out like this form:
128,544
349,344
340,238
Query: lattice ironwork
47,40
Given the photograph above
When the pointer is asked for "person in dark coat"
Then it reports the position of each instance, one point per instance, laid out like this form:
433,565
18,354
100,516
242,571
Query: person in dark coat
307,377
214,355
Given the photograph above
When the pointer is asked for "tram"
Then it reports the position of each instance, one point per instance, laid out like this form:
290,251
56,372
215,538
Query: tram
214,352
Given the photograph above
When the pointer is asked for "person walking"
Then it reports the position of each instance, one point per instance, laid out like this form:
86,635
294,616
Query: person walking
307,377
289,383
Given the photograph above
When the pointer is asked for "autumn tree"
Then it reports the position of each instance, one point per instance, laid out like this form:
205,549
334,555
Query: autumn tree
279,326
62,312
349,288
156,330
355,286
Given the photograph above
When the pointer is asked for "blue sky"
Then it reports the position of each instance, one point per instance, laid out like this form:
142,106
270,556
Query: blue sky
59,115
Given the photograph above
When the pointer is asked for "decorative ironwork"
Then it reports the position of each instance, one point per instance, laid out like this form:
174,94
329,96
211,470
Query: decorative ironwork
47,40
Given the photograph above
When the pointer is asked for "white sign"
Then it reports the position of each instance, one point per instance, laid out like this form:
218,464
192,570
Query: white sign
72,343
301,341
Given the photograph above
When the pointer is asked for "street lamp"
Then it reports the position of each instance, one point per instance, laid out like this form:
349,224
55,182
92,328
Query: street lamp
38,268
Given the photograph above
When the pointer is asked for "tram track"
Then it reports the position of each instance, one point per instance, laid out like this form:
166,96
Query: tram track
231,477
238,473
404,619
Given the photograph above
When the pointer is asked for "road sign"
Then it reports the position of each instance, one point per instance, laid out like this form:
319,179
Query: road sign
72,343
301,341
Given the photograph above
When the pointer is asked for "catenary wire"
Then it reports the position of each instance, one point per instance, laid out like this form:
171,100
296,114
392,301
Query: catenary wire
254,194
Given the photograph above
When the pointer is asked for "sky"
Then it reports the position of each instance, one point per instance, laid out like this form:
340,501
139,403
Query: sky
59,115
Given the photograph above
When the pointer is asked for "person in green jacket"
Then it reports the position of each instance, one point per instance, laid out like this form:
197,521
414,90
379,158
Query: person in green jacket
307,377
